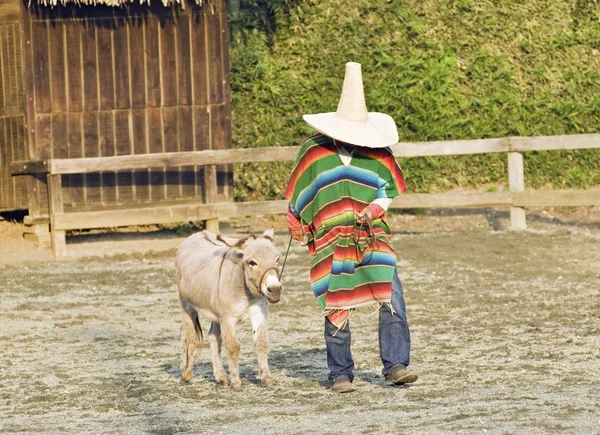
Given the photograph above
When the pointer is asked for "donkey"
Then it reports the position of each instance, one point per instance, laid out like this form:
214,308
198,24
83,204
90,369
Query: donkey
223,279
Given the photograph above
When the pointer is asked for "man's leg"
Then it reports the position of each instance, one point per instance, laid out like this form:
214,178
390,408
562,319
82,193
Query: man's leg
394,337
339,357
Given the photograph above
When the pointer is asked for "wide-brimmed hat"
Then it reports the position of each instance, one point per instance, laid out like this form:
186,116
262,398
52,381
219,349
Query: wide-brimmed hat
351,123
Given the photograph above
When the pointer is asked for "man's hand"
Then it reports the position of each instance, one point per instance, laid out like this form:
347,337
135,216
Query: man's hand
362,216
297,235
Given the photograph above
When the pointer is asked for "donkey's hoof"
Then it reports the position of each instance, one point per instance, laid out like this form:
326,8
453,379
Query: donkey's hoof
186,377
267,381
236,385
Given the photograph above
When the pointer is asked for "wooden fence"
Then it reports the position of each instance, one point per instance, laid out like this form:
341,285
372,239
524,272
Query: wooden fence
517,198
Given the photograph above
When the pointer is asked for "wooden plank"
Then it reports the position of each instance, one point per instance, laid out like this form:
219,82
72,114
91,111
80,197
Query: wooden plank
448,148
210,184
140,146
123,140
187,212
75,150
123,146
28,167
58,78
225,43
210,195
106,128
243,155
18,64
59,144
155,145
201,128
13,154
41,65
516,182
137,61
184,61
168,67
4,87
153,78
28,84
10,11
36,190
59,136
30,220
6,188
121,60
171,135
55,201
557,198
91,149
226,120
201,158
16,105
74,66
90,69
5,197
214,54
186,143
9,60
220,134
205,157
166,214
106,81
563,142
22,153
451,200
170,129
43,136
7,82
199,59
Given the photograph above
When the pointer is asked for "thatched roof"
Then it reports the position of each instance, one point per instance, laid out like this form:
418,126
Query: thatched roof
113,3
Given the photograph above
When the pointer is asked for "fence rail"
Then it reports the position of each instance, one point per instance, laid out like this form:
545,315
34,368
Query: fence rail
517,198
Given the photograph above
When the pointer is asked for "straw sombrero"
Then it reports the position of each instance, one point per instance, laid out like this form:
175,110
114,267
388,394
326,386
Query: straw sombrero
351,123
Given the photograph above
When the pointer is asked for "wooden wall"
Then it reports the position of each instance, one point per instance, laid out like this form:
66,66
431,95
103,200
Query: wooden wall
109,81
13,190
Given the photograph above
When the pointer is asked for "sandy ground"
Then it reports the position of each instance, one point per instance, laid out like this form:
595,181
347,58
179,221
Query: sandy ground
505,329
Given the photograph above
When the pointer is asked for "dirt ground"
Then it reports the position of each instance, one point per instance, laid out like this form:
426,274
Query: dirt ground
505,336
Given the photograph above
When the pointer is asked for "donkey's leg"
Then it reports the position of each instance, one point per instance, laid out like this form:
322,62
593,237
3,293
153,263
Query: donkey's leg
232,344
214,338
258,317
191,341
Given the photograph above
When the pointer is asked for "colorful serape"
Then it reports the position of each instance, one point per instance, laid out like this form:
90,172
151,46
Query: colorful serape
350,267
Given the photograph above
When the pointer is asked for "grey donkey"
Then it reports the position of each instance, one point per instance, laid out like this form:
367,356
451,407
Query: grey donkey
223,279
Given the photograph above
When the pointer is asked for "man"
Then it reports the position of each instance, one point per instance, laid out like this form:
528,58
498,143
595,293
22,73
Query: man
343,181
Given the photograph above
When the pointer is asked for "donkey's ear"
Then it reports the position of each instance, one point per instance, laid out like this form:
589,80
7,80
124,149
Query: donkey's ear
235,243
269,234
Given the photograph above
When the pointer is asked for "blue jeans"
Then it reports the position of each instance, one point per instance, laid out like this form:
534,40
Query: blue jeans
394,338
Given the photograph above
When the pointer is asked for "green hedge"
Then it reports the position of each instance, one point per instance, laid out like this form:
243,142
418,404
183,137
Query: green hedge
442,69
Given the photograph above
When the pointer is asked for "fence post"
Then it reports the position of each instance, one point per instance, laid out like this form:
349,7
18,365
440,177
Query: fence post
210,188
516,183
55,204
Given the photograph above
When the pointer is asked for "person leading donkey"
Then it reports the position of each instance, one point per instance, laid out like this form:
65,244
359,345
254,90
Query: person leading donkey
343,180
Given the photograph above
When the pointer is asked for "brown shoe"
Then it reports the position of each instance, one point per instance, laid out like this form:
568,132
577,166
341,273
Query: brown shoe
342,384
400,375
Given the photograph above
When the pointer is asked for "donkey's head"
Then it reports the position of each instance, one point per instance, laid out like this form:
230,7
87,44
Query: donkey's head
261,264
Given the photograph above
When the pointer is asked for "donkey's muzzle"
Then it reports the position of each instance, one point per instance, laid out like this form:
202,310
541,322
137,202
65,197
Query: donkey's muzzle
273,293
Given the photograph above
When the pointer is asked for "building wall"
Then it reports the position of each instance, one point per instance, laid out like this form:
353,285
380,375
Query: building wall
108,81
13,190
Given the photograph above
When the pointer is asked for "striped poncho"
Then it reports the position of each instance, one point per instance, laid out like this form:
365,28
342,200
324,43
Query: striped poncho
349,269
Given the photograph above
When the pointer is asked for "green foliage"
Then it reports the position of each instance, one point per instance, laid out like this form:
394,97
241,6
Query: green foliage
458,69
